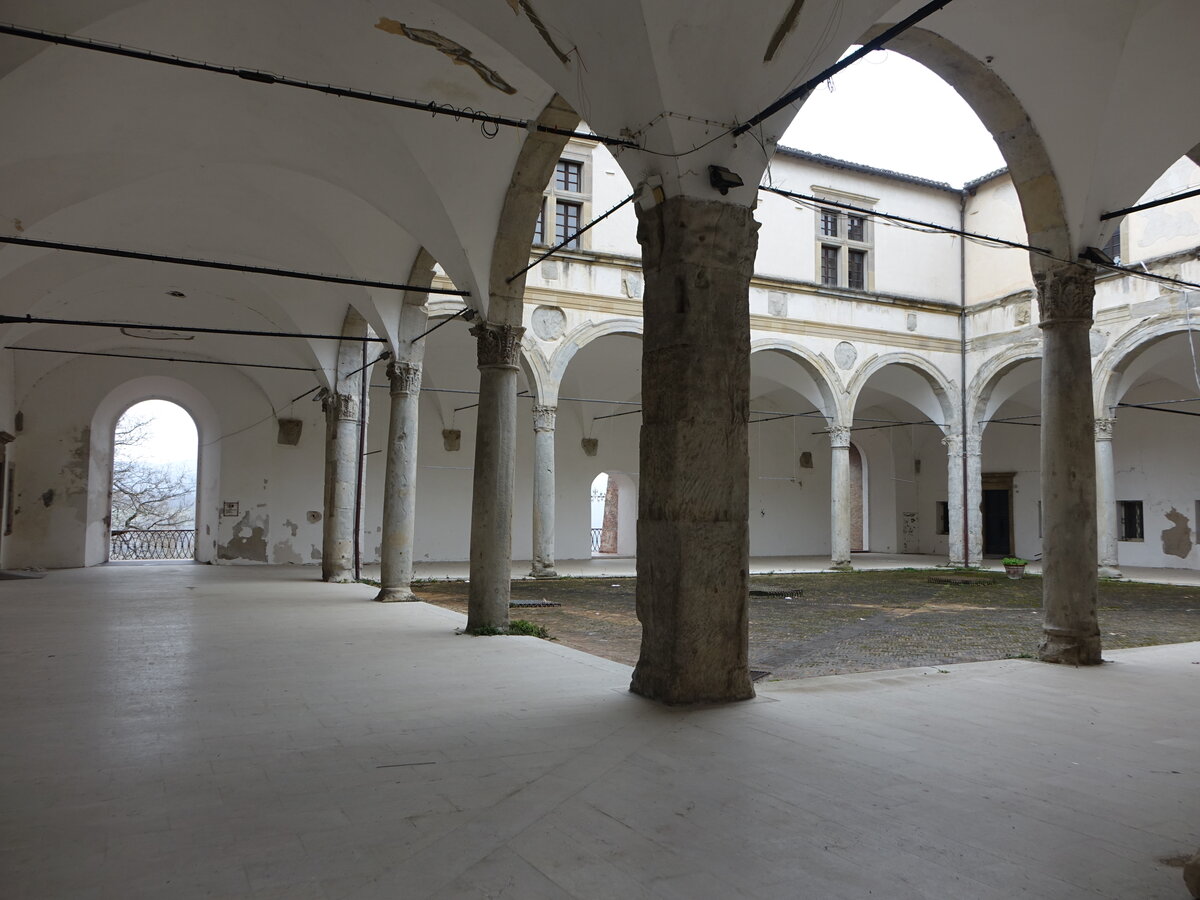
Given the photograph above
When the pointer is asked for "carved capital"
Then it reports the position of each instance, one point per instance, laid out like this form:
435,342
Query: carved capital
405,378
955,444
839,435
1065,294
543,418
340,407
498,345
1104,429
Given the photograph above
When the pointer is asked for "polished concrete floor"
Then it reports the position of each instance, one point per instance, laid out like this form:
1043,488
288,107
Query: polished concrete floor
190,731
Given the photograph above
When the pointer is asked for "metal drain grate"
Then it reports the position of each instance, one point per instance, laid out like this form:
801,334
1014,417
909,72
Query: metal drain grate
527,604
759,674
776,592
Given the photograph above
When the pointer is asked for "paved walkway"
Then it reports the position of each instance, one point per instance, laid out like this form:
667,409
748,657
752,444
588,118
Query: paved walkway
194,731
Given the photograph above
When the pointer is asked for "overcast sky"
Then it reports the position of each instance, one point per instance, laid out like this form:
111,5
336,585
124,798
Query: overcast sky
890,112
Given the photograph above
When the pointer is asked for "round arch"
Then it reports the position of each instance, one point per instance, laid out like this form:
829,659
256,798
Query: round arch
989,375
823,374
939,385
1115,360
576,340
100,460
998,108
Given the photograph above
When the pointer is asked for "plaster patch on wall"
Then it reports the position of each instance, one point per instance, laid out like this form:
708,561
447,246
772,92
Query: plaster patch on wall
249,540
75,472
282,552
1177,540
291,526
315,552
458,54
47,497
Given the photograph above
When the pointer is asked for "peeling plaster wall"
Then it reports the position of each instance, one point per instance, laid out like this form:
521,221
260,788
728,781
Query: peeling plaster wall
295,489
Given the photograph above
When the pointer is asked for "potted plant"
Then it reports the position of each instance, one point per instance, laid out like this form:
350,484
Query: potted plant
1014,566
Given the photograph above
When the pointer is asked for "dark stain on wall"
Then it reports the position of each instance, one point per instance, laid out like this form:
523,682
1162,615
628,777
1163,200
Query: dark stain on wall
249,540
1177,540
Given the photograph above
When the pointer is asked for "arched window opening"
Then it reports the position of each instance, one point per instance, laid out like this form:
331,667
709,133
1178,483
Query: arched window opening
613,515
153,505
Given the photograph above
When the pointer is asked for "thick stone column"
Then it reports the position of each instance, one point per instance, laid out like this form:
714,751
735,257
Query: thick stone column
341,473
693,507
966,540
1106,500
399,485
543,492
495,472
1071,632
839,498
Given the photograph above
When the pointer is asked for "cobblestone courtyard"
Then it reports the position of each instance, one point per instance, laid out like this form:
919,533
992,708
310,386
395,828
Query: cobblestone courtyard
825,624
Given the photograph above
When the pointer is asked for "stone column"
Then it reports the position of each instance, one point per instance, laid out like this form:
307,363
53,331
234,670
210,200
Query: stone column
341,472
839,498
495,472
399,485
966,543
543,492
1106,500
1071,632
693,505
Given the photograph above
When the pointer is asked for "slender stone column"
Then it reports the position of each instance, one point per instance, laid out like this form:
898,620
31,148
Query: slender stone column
839,498
341,448
1106,500
693,548
966,544
495,472
543,492
1071,631
399,485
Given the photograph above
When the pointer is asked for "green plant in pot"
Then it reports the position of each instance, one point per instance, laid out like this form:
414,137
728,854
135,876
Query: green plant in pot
1014,566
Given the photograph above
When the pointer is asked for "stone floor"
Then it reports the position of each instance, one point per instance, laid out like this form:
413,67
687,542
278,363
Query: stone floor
191,731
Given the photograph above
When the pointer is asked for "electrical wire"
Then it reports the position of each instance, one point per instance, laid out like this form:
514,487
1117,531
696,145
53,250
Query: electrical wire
172,359
570,238
42,320
225,266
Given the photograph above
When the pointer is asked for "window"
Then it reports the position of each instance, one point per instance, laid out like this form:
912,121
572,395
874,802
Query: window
856,269
1129,521
1113,246
567,199
943,517
844,242
829,265
568,176
566,223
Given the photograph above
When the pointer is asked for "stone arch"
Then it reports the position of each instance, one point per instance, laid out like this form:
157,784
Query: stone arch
822,372
1115,361
1001,112
942,390
100,460
989,376
576,340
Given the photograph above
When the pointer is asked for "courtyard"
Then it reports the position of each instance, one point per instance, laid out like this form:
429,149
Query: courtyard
810,624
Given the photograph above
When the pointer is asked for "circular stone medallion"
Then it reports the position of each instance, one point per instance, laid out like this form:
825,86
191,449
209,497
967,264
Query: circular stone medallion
549,322
844,355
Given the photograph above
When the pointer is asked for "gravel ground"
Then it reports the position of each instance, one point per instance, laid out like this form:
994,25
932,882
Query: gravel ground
826,624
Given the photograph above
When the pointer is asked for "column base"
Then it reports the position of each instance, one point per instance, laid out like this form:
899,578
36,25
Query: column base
841,567
547,572
340,578
396,595
1069,649
1109,572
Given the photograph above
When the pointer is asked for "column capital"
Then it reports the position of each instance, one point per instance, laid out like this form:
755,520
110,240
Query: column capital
498,345
1104,429
1065,294
839,436
404,377
543,418
954,443
342,407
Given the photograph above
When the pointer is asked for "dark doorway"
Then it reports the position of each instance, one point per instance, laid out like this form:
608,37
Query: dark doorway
997,515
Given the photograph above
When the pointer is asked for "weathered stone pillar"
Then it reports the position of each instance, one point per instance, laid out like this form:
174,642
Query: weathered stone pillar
543,492
1071,632
966,532
1106,500
399,485
341,473
693,532
839,497
495,472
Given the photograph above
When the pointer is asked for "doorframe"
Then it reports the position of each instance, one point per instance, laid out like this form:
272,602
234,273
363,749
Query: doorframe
999,481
